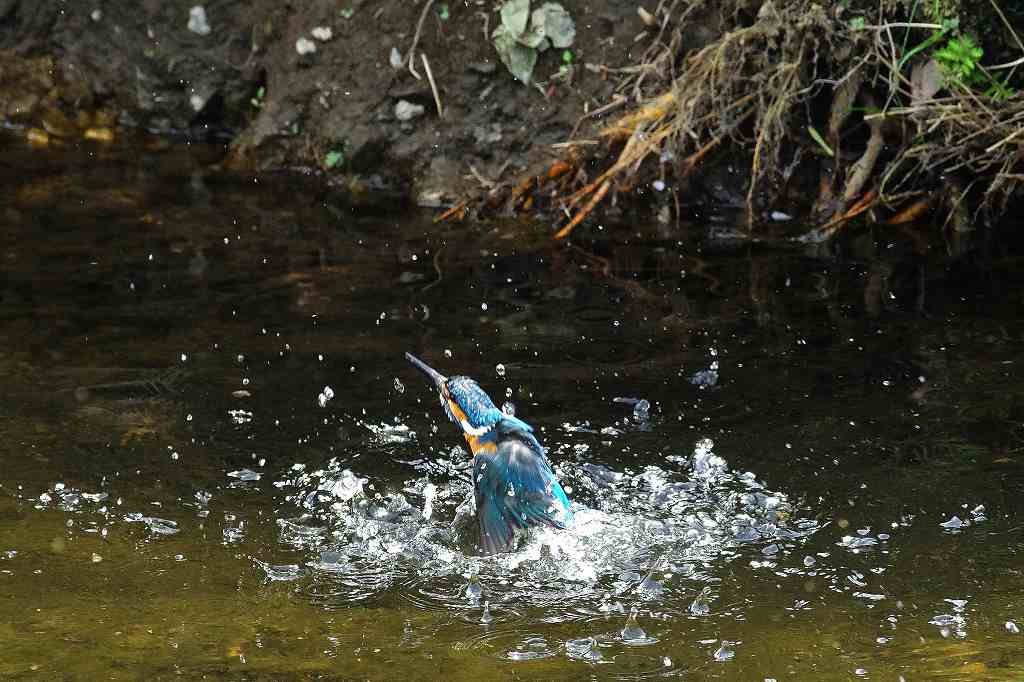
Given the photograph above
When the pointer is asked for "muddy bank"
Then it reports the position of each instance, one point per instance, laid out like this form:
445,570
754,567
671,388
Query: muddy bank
233,72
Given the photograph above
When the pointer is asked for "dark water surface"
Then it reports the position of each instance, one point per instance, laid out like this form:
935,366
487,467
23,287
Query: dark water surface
827,484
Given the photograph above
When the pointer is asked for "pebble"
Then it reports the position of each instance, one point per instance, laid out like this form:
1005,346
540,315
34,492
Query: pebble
396,58
322,33
305,46
406,111
197,22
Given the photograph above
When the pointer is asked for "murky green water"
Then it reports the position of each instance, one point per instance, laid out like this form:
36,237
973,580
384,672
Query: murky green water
181,497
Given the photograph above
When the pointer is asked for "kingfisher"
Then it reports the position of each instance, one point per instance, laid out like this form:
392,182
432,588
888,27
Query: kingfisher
513,484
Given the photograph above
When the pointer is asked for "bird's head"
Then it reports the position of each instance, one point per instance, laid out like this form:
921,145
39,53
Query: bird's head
469,407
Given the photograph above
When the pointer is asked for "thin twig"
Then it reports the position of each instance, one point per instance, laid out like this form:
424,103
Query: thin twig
433,86
437,269
416,39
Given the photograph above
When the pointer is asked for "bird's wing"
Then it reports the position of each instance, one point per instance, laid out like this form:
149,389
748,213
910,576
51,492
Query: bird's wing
515,488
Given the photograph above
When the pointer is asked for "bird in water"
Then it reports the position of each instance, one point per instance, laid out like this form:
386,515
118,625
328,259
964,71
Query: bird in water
513,484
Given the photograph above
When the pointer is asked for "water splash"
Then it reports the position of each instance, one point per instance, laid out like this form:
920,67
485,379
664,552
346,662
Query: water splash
643,536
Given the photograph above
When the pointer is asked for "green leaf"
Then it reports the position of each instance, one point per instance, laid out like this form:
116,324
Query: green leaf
567,57
442,12
517,58
514,16
333,158
346,12
534,38
555,23
816,136
857,23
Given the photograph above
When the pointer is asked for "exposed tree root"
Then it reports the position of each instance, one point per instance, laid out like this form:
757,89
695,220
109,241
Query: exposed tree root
757,86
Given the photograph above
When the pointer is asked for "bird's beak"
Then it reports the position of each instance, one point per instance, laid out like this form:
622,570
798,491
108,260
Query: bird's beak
434,375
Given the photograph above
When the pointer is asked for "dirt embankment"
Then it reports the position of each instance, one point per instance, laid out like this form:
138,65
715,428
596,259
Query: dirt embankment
800,113
310,84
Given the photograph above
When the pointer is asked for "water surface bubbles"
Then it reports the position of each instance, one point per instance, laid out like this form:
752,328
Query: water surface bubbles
584,649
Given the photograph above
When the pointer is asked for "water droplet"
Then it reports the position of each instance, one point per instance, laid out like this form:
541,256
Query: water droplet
447,352
487,617
511,489
500,369
184,357
725,652
474,590
508,408
188,417
701,605
96,558
632,632
667,662
399,386
483,306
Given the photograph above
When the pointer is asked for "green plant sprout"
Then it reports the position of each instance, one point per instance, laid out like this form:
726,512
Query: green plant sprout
257,100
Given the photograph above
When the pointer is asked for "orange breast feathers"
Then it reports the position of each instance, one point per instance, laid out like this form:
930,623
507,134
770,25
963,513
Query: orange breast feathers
475,444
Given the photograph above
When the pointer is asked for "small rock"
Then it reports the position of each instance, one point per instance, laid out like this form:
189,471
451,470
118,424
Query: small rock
305,46
485,68
96,15
396,58
406,110
429,199
197,22
322,33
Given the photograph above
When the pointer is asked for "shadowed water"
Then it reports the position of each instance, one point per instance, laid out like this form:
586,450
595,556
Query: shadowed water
216,461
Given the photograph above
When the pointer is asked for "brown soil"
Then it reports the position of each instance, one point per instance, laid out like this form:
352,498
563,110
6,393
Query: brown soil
137,62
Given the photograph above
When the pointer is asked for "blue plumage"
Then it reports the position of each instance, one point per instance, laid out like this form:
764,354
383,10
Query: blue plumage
513,484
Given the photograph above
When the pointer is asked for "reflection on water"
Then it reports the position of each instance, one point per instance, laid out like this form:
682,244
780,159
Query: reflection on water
783,466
